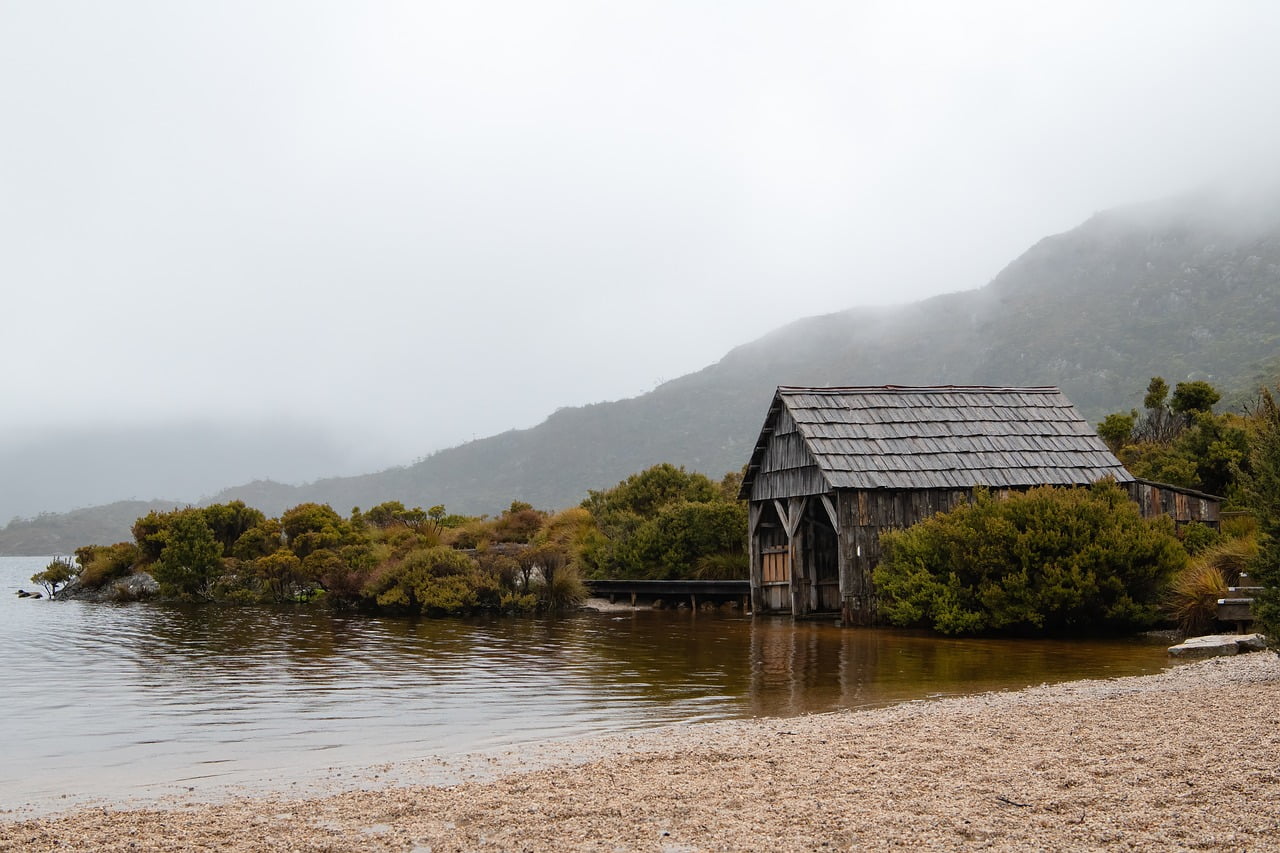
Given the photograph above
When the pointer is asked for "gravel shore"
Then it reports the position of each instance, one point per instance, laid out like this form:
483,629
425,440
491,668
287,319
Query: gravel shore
1185,760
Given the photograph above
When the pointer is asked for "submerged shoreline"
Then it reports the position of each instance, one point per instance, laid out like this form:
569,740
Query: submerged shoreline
1185,759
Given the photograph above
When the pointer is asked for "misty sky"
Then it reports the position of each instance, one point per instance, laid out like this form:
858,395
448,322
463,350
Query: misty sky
413,223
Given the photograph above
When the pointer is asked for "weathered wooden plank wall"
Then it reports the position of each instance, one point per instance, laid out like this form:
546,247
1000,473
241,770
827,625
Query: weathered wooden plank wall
1183,507
787,468
863,515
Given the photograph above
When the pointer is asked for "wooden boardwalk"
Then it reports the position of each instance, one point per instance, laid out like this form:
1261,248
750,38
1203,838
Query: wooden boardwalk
673,592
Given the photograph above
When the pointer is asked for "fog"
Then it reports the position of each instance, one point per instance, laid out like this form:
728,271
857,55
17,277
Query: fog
385,228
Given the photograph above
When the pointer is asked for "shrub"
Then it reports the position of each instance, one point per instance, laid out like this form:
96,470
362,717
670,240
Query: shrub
1196,537
569,528
279,573
1262,494
502,569
433,581
563,589
475,533
662,523
102,563
1046,561
230,521
519,523
518,602
718,567
1231,556
262,539
191,559
344,574
1193,596
684,534
1239,525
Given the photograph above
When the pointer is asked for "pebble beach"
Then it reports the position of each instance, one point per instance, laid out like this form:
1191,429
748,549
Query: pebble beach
1188,759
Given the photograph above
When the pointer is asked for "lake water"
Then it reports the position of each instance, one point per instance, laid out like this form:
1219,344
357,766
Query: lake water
140,700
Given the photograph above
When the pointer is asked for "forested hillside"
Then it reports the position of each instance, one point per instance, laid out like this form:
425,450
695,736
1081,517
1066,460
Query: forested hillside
1185,289
61,533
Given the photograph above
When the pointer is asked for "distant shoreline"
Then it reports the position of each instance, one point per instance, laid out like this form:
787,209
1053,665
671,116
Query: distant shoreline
1185,758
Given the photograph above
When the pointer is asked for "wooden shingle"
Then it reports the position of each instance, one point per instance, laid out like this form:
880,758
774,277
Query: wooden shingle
895,437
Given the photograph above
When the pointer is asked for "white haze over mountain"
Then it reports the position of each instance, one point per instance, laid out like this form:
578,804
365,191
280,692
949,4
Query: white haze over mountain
294,239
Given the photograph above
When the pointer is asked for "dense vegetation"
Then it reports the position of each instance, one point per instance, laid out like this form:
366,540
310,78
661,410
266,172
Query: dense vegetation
667,523
1179,440
1044,561
1055,560
388,558
662,522
1262,495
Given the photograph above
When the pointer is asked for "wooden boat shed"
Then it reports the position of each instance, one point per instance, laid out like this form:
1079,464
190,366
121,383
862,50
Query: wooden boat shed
835,466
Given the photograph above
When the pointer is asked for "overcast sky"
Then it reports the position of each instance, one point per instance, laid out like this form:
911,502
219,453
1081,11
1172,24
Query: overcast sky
416,223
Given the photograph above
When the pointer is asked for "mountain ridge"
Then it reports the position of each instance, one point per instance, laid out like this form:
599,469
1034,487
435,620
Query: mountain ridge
1186,288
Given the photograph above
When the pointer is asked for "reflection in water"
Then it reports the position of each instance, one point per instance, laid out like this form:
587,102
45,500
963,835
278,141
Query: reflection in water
106,700
811,666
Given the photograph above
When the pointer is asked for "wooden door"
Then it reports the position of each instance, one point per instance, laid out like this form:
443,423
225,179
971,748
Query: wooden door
776,577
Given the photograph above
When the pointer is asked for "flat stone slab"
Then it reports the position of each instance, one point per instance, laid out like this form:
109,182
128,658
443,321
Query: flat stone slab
1217,645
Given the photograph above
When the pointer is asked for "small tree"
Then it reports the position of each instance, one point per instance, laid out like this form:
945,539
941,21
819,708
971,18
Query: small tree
56,575
1159,424
191,559
230,521
1116,429
1190,398
278,572
311,527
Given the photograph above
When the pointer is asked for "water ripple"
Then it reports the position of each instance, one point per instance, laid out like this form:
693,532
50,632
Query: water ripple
116,700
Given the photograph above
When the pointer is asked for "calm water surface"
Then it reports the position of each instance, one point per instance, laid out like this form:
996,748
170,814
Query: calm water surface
100,700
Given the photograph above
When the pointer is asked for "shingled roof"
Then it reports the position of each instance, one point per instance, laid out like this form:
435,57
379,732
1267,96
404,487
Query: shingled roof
946,437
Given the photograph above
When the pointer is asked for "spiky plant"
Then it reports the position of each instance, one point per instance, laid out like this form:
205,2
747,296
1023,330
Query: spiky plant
1193,597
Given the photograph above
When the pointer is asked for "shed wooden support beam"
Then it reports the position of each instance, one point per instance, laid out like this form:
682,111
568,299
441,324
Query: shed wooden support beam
831,513
800,580
755,568
781,509
790,514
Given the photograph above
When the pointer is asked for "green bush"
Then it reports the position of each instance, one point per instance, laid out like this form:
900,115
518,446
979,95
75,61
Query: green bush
1043,561
664,523
1262,495
432,582
279,574
1196,537
190,562
719,567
